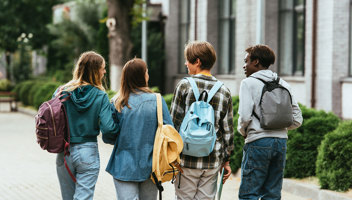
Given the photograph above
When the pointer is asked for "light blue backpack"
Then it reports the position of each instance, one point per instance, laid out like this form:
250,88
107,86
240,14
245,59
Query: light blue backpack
197,129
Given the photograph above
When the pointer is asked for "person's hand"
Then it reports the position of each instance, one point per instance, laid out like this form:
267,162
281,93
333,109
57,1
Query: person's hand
178,166
227,171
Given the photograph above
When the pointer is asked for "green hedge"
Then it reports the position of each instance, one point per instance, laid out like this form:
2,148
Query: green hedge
5,85
168,99
236,158
24,91
334,162
302,144
45,93
35,92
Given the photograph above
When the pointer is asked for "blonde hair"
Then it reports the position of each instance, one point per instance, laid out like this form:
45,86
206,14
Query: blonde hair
202,50
87,72
132,79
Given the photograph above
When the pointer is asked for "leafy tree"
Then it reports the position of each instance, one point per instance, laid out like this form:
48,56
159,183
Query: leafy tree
24,17
73,37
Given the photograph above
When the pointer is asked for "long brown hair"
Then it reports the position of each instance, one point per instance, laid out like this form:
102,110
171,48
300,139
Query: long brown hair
87,71
132,79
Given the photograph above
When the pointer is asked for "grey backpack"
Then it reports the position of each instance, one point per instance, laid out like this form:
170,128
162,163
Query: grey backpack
275,106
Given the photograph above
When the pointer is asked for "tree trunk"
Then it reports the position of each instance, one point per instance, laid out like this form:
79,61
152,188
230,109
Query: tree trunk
8,65
120,44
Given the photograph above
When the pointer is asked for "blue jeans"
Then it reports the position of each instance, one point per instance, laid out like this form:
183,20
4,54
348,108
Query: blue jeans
84,163
262,169
127,190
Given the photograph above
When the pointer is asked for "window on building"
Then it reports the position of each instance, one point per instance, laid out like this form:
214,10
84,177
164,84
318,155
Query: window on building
291,31
184,32
226,55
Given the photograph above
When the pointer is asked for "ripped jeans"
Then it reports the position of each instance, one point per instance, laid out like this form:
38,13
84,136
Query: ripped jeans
84,163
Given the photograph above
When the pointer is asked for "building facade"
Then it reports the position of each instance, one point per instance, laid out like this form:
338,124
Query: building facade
311,38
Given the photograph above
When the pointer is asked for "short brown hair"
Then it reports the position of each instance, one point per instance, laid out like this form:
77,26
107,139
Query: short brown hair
202,50
263,53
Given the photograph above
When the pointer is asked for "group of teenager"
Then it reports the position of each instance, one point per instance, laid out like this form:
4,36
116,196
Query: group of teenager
129,122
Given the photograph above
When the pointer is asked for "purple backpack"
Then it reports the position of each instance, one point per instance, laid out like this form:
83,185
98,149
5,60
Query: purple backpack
52,129
52,125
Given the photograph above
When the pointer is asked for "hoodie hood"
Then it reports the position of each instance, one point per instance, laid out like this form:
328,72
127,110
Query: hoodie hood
266,75
84,96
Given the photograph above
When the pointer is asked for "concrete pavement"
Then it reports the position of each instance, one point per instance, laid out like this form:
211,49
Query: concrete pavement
27,172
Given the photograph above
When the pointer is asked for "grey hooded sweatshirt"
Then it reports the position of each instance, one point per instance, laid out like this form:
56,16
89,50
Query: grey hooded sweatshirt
250,92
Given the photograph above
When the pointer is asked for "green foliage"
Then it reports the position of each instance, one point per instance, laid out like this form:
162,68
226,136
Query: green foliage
22,67
17,17
168,99
17,89
302,145
5,85
45,93
137,12
71,38
24,91
155,89
62,76
103,44
37,84
155,51
110,93
334,162
236,157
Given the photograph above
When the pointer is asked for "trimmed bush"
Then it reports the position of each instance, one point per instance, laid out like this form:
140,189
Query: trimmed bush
44,93
17,89
32,91
168,99
236,157
302,145
111,93
5,85
334,162
24,91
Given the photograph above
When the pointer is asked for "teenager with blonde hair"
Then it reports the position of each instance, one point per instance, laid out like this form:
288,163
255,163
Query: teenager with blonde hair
130,163
89,112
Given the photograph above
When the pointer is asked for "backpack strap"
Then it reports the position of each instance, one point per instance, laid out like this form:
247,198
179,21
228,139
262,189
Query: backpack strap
259,79
159,108
277,80
194,87
214,89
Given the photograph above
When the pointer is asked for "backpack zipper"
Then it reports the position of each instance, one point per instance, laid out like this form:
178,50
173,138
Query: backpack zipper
52,117
41,128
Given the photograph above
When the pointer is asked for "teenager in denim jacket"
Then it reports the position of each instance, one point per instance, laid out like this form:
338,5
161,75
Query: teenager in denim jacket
89,112
130,163
264,152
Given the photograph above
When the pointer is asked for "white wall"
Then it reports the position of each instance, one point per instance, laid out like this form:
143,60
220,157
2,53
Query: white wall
346,99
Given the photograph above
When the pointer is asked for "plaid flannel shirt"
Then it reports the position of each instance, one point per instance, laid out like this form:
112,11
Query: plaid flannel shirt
222,105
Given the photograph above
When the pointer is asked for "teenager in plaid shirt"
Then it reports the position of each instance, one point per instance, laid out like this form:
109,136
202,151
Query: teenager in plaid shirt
199,177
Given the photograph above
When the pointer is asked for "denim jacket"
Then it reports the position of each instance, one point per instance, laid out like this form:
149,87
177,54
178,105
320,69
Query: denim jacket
131,158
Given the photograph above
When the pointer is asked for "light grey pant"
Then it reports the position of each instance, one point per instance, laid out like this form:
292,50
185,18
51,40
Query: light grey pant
127,190
196,183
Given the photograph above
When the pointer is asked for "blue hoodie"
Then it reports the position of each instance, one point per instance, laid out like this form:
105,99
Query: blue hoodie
89,112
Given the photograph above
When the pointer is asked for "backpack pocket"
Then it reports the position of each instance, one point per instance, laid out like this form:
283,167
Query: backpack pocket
198,147
42,132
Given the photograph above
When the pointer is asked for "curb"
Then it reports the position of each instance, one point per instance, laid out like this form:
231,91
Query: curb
311,191
27,111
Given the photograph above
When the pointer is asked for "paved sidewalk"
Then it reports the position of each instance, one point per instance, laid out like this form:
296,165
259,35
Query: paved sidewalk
28,173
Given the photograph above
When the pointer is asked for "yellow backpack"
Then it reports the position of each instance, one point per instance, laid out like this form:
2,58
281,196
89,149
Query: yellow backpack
168,145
